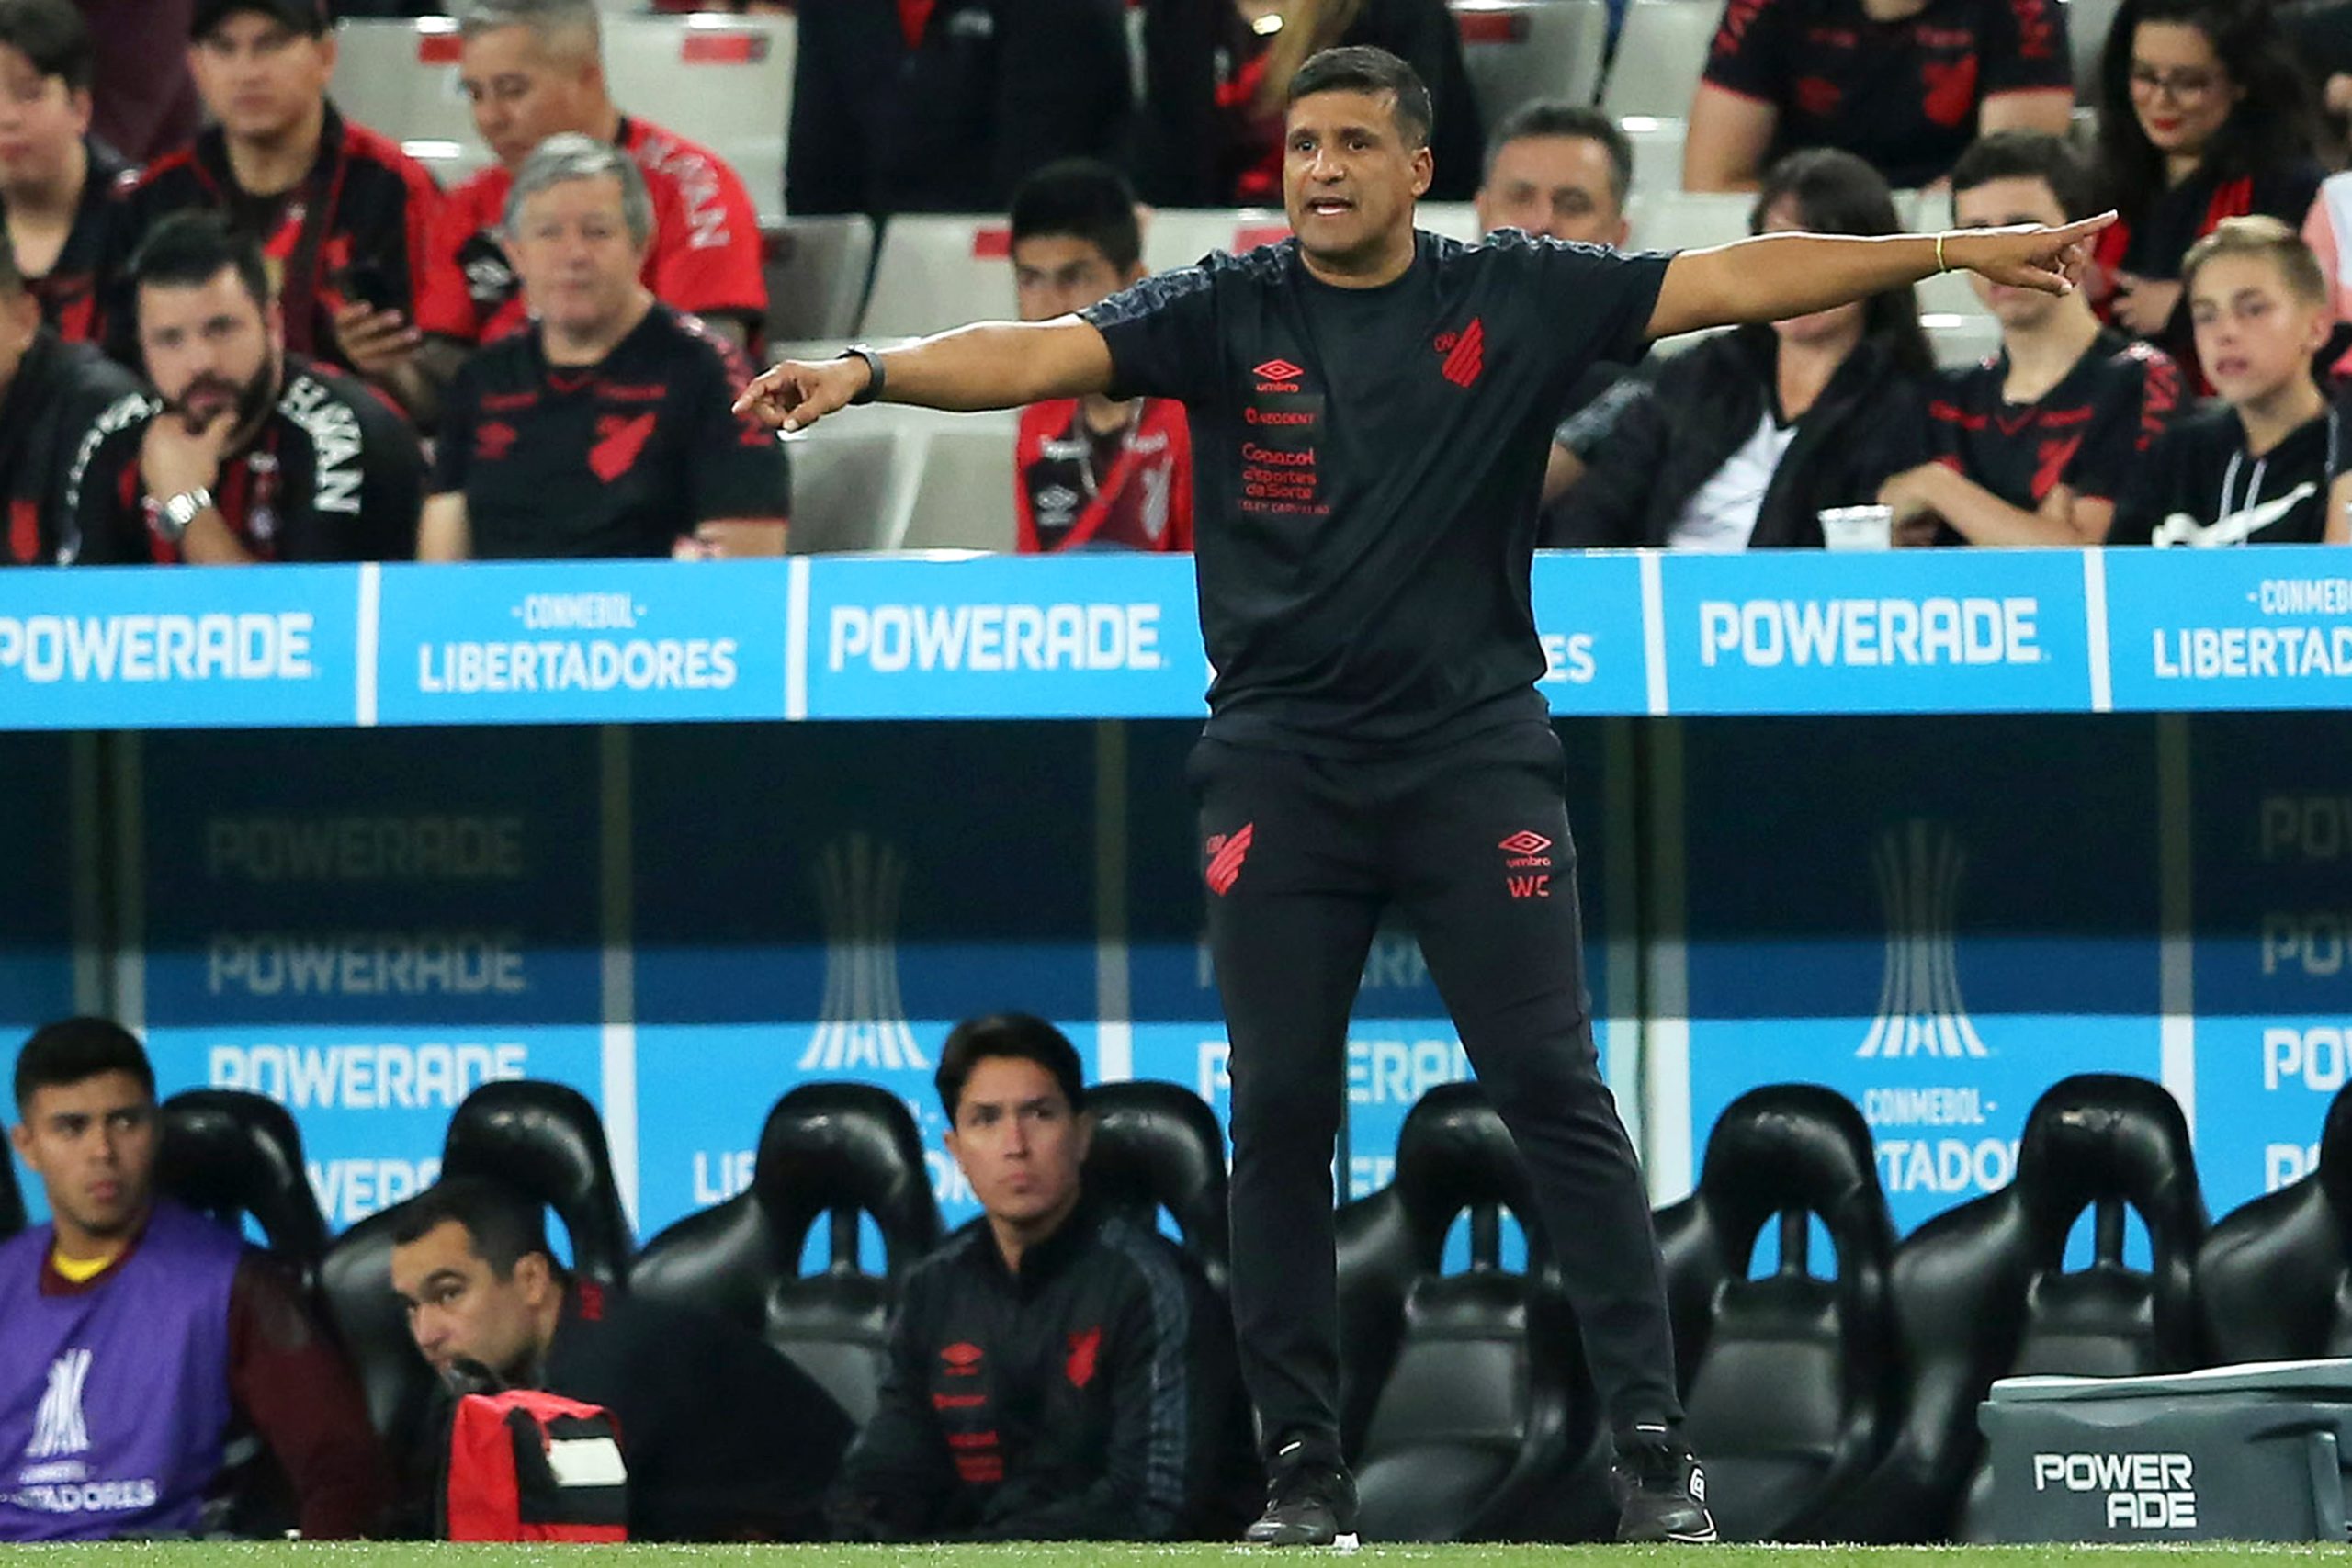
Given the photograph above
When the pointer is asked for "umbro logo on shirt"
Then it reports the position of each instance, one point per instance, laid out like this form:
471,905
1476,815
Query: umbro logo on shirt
1465,353
1277,376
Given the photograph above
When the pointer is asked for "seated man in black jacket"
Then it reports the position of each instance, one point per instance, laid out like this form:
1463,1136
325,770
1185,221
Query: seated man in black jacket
51,393
1055,1371
724,1440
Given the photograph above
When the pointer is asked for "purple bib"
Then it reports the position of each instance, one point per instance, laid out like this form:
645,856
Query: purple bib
113,1400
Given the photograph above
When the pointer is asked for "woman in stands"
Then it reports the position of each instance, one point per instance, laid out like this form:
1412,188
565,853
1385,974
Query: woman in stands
2203,116
1743,440
1217,70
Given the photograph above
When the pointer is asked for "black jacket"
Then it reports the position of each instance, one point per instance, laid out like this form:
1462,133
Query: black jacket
1868,424
724,1438
1094,1396
997,88
51,406
1184,141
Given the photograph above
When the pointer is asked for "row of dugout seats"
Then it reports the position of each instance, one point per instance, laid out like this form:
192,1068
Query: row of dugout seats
1832,1397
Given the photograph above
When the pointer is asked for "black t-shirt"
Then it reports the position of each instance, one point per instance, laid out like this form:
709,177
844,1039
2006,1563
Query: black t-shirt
333,475
1367,464
2087,433
70,292
618,459
56,396
2201,486
723,1437
1901,94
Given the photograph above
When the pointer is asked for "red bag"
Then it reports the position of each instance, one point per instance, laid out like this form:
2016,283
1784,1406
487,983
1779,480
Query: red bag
525,1465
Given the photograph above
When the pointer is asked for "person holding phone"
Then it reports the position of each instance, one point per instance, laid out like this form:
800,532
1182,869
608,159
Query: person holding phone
339,209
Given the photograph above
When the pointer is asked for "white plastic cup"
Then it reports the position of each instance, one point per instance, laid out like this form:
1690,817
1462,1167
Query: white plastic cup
1858,527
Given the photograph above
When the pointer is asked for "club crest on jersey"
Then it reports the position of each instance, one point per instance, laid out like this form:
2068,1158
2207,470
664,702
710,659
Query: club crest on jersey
1464,352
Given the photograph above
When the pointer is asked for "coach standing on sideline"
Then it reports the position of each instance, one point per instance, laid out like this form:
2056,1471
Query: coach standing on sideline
1368,447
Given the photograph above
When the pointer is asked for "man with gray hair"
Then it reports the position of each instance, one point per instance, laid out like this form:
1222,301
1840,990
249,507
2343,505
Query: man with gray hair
602,428
534,69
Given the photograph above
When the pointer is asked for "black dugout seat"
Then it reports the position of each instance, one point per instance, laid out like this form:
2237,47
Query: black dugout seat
1158,1147
546,1139
1789,1381
2274,1282
1982,1292
837,1150
1465,1406
232,1155
541,1138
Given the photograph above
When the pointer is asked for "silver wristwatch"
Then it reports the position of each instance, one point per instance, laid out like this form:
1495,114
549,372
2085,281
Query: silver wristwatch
177,511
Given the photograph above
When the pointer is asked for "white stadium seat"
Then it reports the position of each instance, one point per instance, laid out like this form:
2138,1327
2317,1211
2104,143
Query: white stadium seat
1454,219
816,271
723,81
1658,150
1519,50
1661,51
1961,341
892,477
964,493
2088,22
1665,218
940,270
1177,236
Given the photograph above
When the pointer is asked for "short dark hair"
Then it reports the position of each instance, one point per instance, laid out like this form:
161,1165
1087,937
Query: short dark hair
1360,68
188,250
74,1049
1080,198
1018,1034
2029,155
505,1226
1558,117
51,34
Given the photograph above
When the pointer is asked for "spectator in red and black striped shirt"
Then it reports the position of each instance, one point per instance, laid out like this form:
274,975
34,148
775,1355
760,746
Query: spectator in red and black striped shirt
1904,85
56,179
341,211
2033,447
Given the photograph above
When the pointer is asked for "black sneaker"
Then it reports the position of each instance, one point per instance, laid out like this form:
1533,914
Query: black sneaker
1661,1491
1309,1502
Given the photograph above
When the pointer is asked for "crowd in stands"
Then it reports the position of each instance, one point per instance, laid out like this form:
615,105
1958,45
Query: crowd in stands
1055,1370
236,325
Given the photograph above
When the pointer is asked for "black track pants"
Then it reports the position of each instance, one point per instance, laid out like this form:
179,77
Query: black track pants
1301,856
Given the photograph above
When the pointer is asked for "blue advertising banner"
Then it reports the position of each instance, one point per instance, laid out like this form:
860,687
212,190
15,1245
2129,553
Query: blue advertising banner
1910,631
2268,814
148,649
1089,636
1939,933
1588,613
583,642
54,798
2211,629
365,929
826,903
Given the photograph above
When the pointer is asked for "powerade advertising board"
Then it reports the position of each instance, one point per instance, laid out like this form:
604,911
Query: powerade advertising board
1939,923
364,926
54,808
827,901
2270,821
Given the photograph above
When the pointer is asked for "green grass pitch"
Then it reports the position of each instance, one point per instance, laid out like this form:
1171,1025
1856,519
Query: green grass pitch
414,1555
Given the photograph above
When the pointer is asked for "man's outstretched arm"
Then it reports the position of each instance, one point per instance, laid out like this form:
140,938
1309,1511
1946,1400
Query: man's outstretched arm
996,365
1775,277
